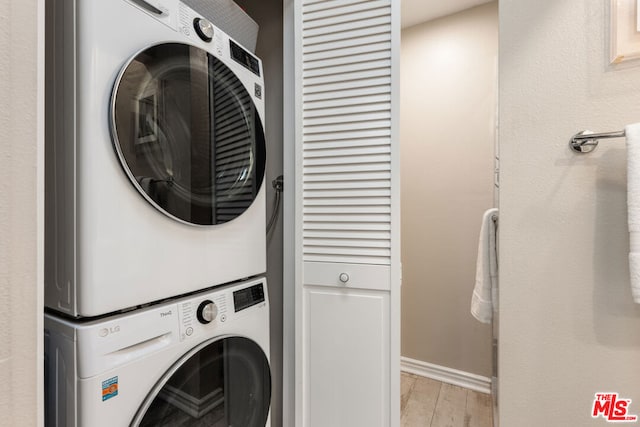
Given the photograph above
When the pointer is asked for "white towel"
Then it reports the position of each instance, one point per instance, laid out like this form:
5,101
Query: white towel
633,205
485,291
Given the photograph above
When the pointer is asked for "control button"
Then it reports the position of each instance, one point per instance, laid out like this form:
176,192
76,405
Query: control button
203,28
344,277
189,331
207,312
223,318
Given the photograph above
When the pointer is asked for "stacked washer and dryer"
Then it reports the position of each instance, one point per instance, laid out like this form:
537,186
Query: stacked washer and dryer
157,313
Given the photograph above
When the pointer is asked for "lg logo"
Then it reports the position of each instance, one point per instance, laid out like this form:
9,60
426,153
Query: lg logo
107,331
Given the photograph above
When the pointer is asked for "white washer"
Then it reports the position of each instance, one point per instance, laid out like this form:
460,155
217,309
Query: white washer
202,360
155,155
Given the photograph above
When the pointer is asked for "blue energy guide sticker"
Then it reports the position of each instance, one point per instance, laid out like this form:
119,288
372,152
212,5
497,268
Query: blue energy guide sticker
109,388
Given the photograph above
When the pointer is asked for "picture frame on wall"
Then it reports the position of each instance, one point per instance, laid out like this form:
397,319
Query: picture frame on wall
625,31
146,119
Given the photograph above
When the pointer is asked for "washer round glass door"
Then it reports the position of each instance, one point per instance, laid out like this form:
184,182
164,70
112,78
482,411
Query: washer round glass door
222,383
188,134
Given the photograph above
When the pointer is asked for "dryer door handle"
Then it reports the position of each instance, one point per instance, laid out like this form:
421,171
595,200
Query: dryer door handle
147,5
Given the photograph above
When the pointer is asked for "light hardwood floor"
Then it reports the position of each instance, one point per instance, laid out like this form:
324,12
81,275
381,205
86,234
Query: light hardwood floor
430,403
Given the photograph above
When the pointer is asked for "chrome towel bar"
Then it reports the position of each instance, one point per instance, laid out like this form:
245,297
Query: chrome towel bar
584,142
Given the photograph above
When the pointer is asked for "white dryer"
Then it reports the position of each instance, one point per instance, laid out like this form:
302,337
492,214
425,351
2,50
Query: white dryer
155,155
202,360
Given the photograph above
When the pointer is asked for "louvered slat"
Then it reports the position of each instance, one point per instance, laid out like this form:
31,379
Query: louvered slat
336,217
356,186
354,202
337,109
347,193
338,153
345,177
326,171
365,227
347,118
347,127
347,160
345,259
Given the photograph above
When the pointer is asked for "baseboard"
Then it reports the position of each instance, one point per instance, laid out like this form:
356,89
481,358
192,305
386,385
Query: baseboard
446,375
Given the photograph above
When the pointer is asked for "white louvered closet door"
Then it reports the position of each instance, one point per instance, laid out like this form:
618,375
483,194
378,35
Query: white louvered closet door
347,213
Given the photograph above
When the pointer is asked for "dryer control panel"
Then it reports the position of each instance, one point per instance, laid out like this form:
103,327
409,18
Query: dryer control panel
244,58
200,30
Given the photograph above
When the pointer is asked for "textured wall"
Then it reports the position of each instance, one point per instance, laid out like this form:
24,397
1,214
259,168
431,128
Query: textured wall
21,203
568,326
448,104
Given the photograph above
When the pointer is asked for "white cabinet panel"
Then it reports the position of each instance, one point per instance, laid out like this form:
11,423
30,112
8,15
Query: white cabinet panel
347,357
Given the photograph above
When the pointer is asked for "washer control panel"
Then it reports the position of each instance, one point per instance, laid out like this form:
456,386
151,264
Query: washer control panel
200,313
208,312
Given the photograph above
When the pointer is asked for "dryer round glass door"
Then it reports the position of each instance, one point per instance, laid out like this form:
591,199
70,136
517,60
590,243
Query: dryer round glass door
188,134
221,383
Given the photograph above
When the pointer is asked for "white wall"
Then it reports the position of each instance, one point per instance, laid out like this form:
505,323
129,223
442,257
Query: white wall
21,209
448,105
568,326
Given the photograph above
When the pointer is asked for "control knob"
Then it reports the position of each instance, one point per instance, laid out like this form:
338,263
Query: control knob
207,312
203,28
